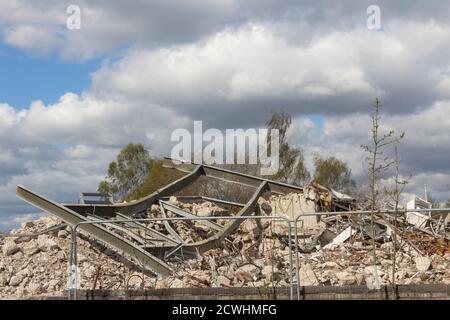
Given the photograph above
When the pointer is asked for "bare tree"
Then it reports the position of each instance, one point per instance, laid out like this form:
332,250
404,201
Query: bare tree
394,195
379,163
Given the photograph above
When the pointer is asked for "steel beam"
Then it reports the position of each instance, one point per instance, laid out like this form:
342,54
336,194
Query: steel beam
230,227
169,228
139,205
120,228
214,200
98,232
180,212
156,235
235,177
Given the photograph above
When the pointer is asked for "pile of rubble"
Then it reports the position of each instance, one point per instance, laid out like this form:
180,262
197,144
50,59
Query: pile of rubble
333,250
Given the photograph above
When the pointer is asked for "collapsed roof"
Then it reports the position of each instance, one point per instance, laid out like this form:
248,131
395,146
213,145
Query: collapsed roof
124,236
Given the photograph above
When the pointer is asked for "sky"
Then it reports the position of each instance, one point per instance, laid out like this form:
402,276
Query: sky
137,70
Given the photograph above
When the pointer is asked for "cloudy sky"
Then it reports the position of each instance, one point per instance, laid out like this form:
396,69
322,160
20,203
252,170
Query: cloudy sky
136,70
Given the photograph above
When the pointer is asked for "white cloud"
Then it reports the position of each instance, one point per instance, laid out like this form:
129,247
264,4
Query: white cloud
424,150
39,40
7,224
238,65
228,63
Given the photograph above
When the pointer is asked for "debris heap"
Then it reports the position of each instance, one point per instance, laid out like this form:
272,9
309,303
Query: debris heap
333,250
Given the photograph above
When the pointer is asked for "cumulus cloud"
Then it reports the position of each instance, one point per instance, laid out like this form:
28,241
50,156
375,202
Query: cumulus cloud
109,24
424,150
255,69
64,148
228,63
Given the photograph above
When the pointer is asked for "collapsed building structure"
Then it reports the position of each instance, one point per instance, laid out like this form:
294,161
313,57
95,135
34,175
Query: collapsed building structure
332,244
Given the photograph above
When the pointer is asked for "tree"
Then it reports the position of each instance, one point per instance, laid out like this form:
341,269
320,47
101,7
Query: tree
292,162
394,195
157,178
128,172
333,173
434,203
447,204
378,164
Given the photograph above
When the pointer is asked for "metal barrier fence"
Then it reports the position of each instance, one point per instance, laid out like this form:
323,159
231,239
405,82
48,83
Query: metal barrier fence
346,213
72,292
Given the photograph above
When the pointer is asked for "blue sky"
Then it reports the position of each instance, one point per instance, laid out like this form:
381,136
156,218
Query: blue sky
25,78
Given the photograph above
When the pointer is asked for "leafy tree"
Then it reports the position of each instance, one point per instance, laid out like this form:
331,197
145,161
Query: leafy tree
447,204
333,173
292,162
434,203
128,172
157,178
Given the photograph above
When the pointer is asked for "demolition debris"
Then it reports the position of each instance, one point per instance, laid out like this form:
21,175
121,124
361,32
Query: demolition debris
333,246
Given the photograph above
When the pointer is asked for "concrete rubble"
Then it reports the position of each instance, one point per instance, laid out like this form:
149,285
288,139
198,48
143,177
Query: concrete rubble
333,250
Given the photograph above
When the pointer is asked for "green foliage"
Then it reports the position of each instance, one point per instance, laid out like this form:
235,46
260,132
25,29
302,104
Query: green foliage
434,203
127,173
447,204
292,162
333,173
157,178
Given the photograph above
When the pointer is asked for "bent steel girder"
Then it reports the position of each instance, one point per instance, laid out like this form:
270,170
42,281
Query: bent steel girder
169,228
233,176
210,199
198,170
156,235
141,204
178,211
75,213
231,226
133,235
97,231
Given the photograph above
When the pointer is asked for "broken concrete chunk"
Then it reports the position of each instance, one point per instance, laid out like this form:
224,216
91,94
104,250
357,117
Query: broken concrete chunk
177,283
204,212
307,276
422,263
27,224
372,276
30,248
271,273
10,247
154,208
3,280
340,238
45,243
330,265
173,200
345,278
247,273
63,234
15,280
53,284
34,288
248,226
223,281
